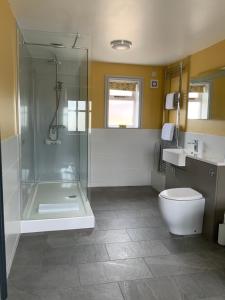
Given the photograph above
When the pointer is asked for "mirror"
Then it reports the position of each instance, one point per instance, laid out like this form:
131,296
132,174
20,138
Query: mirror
206,98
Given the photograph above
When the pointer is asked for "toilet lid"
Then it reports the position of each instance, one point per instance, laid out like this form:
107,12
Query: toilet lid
181,194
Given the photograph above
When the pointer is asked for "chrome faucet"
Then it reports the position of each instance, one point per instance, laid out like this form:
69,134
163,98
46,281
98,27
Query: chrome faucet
195,143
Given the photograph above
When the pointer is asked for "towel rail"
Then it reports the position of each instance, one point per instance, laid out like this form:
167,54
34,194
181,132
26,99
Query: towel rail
171,72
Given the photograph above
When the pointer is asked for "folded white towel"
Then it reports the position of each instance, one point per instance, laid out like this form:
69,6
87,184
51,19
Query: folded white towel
170,101
168,131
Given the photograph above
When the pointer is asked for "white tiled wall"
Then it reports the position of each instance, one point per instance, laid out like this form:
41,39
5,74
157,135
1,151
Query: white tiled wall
213,145
11,195
122,157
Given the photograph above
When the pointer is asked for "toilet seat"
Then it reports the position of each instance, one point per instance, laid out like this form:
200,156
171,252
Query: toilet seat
181,194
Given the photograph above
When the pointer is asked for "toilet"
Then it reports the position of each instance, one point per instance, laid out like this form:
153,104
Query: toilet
182,210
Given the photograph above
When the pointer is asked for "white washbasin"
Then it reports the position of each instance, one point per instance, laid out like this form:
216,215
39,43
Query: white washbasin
175,156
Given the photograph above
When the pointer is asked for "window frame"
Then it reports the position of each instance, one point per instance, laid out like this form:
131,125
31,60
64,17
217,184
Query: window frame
76,111
141,85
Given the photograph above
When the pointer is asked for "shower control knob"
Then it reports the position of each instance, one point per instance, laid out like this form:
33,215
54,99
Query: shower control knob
211,173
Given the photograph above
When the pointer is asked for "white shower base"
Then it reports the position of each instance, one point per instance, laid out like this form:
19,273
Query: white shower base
52,195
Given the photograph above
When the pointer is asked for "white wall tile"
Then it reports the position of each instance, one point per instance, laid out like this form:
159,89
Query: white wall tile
10,152
11,196
213,145
122,157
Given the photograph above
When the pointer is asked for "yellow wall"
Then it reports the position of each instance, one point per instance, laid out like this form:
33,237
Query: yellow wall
152,106
218,99
8,76
204,61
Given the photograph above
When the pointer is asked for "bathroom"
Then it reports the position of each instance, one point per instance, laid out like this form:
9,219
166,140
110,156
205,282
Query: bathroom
112,150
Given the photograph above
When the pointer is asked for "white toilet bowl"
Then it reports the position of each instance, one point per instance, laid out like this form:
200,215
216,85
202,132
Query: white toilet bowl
182,210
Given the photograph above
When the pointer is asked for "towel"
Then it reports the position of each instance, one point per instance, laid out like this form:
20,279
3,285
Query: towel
170,101
168,131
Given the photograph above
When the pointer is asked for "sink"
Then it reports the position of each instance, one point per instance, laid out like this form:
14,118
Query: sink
175,156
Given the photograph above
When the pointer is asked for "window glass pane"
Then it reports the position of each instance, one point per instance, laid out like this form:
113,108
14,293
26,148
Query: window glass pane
81,121
121,113
71,120
81,105
120,93
123,102
72,105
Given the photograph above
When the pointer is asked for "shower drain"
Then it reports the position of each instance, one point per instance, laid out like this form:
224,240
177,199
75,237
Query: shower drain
71,196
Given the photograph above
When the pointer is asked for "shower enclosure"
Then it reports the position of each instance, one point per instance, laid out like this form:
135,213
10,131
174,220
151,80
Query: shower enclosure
53,108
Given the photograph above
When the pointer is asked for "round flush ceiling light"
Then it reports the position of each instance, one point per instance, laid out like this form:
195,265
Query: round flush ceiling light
121,44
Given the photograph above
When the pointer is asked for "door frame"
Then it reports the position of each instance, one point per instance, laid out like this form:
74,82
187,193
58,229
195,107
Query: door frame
3,274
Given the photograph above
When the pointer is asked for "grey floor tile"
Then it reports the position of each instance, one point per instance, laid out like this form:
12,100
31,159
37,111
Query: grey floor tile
58,256
118,270
148,212
212,283
127,213
33,294
164,288
105,236
134,222
137,289
151,289
90,253
32,242
61,239
75,255
45,277
59,276
188,287
105,214
151,233
23,277
81,237
188,244
136,249
179,264
107,291
212,298
217,256
121,204
27,257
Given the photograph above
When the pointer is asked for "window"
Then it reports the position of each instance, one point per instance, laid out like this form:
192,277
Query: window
76,115
123,100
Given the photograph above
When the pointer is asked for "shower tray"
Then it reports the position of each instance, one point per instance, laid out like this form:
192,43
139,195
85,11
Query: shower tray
57,206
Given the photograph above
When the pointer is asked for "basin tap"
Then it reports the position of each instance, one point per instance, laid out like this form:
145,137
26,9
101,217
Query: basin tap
195,143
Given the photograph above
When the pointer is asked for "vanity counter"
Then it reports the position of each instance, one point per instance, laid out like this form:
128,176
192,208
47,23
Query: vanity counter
217,161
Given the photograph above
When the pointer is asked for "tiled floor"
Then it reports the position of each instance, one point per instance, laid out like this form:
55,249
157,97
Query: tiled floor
129,256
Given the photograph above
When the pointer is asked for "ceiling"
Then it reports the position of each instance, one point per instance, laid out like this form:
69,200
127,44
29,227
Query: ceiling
46,38
162,31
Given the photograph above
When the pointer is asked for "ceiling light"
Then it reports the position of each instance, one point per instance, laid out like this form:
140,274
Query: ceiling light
121,44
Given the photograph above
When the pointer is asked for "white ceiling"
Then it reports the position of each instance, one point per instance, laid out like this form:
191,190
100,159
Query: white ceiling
162,31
